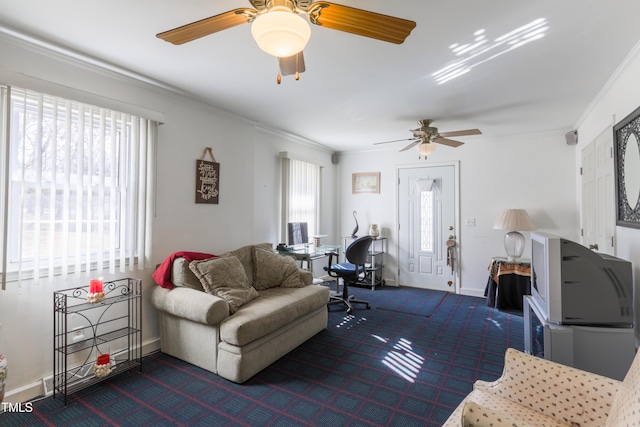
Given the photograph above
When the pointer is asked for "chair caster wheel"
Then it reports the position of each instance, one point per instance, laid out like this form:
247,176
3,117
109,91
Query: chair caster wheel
349,311
368,307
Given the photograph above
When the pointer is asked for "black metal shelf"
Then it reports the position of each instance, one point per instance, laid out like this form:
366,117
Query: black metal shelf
75,383
100,339
115,321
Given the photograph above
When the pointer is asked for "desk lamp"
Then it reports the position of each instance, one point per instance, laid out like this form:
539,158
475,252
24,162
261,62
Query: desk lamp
514,220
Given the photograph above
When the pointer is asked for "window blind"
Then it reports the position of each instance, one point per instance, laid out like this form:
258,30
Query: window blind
77,188
301,194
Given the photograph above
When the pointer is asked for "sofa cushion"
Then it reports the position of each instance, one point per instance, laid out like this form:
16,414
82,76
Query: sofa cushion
224,277
182,276
498,405
245,255
275,308
271,269
474,415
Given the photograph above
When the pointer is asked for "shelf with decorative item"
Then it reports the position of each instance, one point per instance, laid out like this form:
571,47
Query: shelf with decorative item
96,337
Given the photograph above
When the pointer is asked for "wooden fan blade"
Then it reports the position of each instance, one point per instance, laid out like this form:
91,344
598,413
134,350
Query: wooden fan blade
204,27
449,142
292,64
361,22
410,146
461,132
395,140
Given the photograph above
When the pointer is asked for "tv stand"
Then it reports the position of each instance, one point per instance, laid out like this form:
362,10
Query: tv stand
602,350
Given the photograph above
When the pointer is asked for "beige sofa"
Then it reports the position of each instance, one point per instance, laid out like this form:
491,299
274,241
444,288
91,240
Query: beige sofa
209,328
538,392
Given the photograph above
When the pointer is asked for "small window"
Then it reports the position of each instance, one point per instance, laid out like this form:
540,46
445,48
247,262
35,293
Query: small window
426,220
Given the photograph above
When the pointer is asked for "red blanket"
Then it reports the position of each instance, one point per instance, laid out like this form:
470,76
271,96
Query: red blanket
162,275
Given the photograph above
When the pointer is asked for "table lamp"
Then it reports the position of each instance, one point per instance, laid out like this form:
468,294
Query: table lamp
514,220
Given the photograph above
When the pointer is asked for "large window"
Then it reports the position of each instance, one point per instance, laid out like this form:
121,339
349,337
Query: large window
301,194
76,187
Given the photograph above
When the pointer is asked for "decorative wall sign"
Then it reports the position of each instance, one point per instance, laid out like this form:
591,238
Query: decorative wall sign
365,183
207,179
626,142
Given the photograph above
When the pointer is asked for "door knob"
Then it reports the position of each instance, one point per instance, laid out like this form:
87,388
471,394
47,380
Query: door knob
594,247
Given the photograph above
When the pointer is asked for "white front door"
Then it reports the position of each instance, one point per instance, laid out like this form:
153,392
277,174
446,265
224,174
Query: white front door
426,213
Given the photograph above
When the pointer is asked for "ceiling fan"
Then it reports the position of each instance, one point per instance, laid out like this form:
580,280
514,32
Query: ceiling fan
426,135
279,30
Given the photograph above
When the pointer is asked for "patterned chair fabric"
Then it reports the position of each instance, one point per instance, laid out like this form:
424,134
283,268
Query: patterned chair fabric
538,392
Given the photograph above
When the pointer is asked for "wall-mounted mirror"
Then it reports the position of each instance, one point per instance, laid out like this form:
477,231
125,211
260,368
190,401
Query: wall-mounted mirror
626,142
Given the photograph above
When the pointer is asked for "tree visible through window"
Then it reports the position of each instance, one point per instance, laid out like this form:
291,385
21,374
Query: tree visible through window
78,185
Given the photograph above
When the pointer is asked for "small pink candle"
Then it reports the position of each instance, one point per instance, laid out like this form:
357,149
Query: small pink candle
95,286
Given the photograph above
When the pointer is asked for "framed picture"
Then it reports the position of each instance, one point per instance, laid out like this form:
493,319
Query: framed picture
626,149
365,183
207,179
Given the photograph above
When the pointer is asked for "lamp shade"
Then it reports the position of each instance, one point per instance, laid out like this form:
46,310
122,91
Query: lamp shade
514,220
426,148
280,32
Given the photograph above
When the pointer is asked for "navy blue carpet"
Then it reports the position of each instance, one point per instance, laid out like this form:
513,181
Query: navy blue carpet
407,300
377,367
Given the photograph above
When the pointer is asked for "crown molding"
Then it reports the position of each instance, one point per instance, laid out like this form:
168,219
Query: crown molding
633,55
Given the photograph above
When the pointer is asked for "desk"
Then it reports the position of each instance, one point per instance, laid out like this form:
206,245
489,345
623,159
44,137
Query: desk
309,253
508,282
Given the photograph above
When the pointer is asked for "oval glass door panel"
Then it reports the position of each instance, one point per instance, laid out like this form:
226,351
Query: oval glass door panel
632,171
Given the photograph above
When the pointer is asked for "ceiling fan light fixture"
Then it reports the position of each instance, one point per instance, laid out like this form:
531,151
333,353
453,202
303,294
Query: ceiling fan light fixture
280,32
426,148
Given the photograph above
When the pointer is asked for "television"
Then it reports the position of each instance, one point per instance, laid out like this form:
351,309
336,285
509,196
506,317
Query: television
574,285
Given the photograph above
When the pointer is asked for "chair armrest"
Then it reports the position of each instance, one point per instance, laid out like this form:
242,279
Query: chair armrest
306,276
564,393
330,262
190,304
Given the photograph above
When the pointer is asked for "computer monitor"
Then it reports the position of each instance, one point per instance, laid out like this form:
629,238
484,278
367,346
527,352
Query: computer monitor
298,234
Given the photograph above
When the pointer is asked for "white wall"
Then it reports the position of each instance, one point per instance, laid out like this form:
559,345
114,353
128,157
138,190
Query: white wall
532,172
618,98
535,172
247,212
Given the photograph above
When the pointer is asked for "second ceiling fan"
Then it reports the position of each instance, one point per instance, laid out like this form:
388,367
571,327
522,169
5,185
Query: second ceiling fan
426,135
279,29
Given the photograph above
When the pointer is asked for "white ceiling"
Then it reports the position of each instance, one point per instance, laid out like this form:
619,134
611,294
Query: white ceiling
357,91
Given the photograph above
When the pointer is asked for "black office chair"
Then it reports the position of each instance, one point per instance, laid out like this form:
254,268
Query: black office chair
350,271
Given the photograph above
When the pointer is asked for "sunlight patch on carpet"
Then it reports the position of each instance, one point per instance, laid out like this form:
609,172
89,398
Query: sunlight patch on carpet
349,321
402,359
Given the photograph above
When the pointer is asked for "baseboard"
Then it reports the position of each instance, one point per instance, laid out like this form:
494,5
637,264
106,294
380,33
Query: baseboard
37,388
472,292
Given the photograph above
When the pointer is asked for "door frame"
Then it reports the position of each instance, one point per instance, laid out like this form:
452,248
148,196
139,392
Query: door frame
457,279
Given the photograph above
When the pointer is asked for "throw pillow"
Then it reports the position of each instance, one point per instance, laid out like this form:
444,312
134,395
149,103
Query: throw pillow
245,255
225,278
271,270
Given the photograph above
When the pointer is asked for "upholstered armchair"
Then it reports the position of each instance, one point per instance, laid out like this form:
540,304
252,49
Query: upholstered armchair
537,392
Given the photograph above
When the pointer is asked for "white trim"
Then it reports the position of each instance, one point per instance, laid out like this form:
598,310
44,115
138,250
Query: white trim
36,389
40,44
631,57
291,137
24,81
301,158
